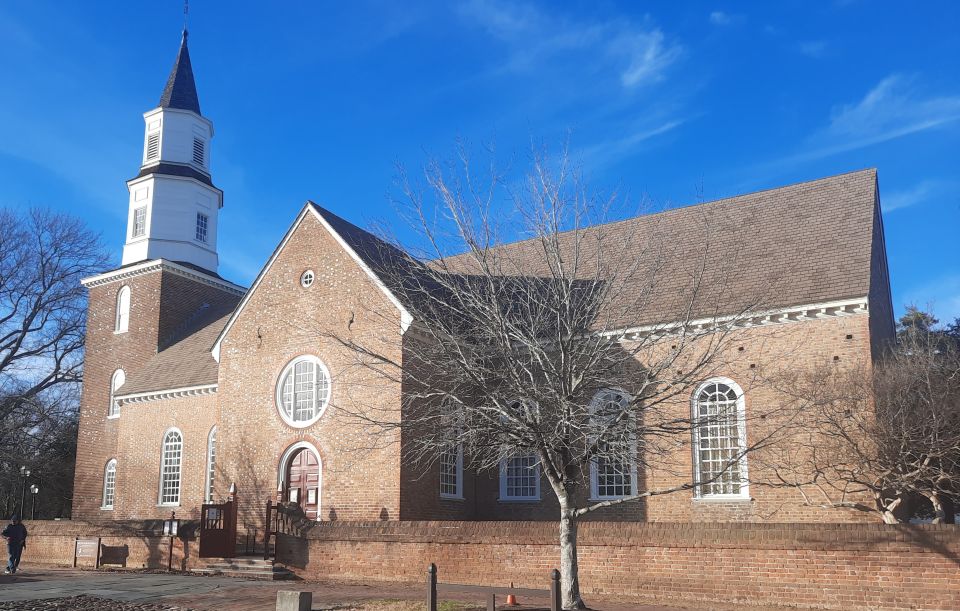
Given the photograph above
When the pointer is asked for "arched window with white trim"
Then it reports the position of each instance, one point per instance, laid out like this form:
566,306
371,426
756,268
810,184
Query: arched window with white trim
122,321
613,472
451,456
719,440
171,459
118,379
109,484
303,391
211,464
520,474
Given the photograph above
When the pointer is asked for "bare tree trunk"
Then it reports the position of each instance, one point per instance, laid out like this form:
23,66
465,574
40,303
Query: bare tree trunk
569,573
939,513
886,510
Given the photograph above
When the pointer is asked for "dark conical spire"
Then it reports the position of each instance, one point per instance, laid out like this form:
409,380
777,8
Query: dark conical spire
181,90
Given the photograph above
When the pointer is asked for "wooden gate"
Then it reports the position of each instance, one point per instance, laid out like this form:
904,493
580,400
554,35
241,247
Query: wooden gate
218,530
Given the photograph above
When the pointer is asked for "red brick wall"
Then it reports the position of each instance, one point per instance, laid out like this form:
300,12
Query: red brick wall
837,566
159,302
360,472
755,358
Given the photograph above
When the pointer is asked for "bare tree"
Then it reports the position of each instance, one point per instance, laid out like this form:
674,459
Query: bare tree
889,434
43,257
575,348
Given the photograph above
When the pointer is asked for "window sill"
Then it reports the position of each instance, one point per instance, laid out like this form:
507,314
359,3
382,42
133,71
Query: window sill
724,499
600,499
520,500
168,504
451,497
120,332
113,417
107,508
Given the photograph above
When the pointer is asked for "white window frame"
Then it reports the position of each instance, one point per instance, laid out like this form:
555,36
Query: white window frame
631,459
744,493
458,473
117,380
109,485
139,228
121,321
320,401
211,465
504,487
163,471
202,228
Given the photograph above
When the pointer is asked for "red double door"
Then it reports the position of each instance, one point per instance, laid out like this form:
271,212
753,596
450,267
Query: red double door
303,482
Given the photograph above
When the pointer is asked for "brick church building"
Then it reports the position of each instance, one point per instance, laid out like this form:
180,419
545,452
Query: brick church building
193,384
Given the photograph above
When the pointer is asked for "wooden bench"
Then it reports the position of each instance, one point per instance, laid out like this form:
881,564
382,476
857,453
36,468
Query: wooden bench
489,592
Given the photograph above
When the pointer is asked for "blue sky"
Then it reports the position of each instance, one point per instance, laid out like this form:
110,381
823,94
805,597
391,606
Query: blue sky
670,101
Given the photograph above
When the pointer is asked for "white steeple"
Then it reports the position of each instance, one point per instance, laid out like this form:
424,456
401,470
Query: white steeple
173,203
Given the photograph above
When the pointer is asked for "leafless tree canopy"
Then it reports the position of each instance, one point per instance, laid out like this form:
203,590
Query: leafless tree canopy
890,434
43,257
574,345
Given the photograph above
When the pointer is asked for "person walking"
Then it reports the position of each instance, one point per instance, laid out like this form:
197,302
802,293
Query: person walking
16,535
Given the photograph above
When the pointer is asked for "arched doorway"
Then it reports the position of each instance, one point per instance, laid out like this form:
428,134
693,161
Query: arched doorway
300,473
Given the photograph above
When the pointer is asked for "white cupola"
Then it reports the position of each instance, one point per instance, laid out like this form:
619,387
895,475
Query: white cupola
173,203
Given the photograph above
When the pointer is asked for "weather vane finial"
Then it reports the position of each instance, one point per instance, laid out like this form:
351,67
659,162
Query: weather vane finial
186,13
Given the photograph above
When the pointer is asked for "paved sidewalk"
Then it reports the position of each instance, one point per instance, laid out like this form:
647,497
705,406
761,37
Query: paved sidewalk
204,593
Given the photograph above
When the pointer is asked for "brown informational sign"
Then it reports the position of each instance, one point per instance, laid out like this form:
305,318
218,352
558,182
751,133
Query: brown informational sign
87,548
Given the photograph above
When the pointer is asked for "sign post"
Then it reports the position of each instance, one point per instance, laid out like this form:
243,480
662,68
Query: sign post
170,528
87,548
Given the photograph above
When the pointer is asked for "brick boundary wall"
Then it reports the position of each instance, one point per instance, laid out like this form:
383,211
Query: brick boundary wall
838,566
833,566
52,543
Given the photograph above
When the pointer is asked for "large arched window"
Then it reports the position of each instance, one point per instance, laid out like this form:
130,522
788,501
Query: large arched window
118,379
122,322
303,391
171,458
613,469
719,440
211,464
109,484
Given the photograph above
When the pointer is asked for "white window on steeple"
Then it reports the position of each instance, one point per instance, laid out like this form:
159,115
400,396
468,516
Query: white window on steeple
153,146
139,222
202,221
198,151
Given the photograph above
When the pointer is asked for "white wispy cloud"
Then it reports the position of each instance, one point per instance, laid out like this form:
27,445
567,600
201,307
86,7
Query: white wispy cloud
816,49
639,53
719,18
922,192
612,150
894,108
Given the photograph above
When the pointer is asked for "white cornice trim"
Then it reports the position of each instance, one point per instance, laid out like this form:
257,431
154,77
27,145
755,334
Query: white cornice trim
147,267
171,393
796,313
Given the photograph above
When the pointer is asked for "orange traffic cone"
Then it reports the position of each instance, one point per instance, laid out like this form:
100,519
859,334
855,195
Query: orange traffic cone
511,599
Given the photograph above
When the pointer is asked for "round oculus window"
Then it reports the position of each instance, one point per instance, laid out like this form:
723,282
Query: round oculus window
306,278
303,391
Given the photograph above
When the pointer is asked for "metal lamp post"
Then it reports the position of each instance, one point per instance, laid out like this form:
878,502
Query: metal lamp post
24,474
34,489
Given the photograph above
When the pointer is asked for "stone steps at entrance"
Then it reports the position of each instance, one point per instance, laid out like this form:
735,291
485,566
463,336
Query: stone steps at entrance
250,567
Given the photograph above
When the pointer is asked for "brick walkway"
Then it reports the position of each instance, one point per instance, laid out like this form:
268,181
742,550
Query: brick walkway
233,594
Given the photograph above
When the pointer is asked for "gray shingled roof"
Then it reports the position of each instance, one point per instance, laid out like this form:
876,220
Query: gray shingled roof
181,90
801,244
186,361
